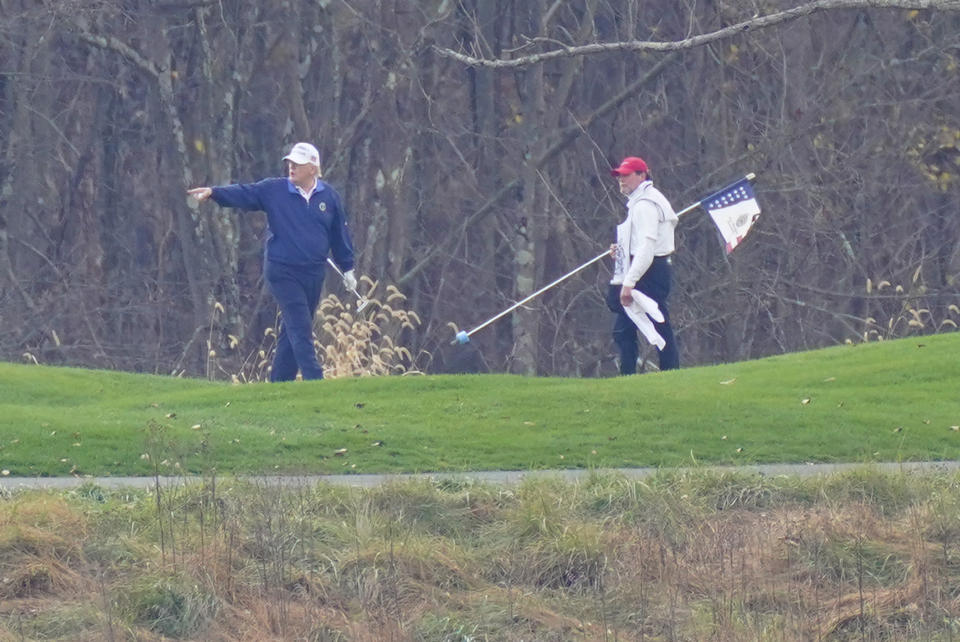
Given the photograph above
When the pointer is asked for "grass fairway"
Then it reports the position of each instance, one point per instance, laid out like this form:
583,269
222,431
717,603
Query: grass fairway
890,401
699,554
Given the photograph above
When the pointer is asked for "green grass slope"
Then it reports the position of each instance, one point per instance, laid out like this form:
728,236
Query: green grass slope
890,401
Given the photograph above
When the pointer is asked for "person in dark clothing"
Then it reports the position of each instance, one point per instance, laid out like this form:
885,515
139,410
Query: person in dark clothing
642,254
307,221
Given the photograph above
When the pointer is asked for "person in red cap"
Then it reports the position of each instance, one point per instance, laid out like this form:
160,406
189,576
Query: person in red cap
307,221
642,261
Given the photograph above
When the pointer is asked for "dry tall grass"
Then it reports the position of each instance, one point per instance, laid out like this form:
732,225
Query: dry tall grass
907,310
368,342
861,556
349,342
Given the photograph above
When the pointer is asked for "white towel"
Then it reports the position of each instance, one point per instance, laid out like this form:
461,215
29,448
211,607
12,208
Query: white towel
640,312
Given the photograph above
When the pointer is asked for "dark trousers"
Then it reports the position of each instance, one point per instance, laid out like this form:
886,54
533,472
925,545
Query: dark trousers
655,283
297,291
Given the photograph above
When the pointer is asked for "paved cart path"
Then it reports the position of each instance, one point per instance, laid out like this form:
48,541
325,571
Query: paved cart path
491,477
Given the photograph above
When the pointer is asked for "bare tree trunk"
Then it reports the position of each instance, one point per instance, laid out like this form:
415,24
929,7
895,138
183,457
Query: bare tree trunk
193,236
212,123
16,156
386,236
463,188
529,241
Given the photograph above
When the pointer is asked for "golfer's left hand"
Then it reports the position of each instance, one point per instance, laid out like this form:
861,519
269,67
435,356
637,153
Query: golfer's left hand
349,280
626,295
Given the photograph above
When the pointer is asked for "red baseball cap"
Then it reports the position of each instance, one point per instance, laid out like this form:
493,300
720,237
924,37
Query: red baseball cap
629,165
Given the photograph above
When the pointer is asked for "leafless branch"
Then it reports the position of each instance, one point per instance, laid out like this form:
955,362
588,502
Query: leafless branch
564,138
122,48
754,24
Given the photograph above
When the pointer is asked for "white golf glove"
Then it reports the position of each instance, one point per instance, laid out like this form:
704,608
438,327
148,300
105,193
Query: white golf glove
349,280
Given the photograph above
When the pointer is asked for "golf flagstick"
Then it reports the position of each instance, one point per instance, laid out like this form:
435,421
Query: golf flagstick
361,300
464,336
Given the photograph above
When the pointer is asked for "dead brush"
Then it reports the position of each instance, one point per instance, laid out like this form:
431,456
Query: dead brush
914,313
254,367
393,577
365,344
42,526
41,577
349,342
852,557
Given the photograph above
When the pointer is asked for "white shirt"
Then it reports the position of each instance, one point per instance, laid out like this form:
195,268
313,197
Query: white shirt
306,194
645,233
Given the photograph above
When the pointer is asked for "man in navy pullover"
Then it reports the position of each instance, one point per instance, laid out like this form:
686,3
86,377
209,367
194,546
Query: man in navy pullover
307,220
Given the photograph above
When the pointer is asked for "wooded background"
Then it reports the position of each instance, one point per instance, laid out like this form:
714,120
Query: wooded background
470,186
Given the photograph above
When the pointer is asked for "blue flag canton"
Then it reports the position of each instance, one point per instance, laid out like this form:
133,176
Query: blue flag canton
736,193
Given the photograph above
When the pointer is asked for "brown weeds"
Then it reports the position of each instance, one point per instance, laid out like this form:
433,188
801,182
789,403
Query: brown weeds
365,343
906,310
545,562
349,343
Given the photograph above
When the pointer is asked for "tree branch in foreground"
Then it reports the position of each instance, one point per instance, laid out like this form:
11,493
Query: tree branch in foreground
754,24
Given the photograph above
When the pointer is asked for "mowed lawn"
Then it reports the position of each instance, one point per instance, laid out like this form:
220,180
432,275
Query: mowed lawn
888,401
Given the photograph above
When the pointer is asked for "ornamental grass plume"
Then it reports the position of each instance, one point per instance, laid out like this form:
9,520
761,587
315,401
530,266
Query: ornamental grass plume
910,310
365,344
349,343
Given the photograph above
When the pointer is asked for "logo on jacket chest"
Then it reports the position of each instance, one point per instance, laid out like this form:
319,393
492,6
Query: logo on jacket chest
322,213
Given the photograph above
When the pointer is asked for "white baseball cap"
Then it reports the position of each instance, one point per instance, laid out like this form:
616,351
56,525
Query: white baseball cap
304,154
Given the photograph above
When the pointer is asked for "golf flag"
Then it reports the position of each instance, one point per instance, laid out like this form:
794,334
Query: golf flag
733,210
